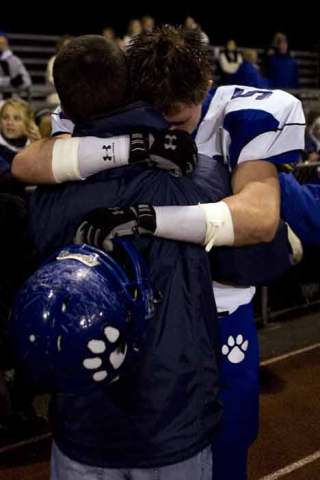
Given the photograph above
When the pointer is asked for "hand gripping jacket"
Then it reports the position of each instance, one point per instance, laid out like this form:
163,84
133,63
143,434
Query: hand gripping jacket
81,317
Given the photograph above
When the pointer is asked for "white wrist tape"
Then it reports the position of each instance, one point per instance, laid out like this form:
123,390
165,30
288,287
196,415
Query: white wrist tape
79,158
65,165
220,231
98,154
183,223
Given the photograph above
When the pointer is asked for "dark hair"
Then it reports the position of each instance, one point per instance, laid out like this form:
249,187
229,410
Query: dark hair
91,77
167,66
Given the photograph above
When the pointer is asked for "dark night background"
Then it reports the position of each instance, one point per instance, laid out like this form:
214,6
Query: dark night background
251,24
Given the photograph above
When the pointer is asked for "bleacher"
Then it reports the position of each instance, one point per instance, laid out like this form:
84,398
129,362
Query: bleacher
309,73
35,51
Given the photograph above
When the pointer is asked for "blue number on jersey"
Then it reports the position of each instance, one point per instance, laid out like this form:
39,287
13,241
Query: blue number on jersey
261,94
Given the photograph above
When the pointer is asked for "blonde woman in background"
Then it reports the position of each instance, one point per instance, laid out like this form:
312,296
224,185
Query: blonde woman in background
17,130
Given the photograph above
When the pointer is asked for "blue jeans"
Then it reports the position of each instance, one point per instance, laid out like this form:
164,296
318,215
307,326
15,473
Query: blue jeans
198,467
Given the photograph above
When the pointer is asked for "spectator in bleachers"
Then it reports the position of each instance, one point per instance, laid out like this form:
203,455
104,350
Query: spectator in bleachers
109,33
270,50
282,68
13,74
147,23
312,149
278,37
230,59
134,28
53,98
191,24
249,73
17,129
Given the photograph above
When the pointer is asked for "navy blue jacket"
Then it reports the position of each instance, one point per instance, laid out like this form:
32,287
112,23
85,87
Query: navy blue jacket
250,76
168,411
283,71
6,157
8,184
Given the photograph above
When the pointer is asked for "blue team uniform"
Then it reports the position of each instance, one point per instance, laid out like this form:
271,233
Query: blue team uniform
240,124
300,207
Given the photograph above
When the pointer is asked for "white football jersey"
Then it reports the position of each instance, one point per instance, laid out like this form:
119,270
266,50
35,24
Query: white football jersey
243,123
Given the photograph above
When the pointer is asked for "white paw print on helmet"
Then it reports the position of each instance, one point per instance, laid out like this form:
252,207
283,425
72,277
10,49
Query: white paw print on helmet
103,364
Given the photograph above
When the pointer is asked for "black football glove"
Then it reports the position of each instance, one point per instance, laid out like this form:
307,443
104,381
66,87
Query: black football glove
139,146
100,226
172,150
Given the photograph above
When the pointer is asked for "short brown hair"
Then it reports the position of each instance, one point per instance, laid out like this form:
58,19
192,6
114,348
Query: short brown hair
167,66
91,77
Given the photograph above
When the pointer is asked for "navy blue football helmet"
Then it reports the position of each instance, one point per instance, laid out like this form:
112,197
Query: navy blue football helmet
81,316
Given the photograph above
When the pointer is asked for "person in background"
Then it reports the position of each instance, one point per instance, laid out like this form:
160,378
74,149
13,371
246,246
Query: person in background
109,33
53,98
312,150
17,130
13,73
134,28
191,24
249,73
282,68
278,37
147,23
230,59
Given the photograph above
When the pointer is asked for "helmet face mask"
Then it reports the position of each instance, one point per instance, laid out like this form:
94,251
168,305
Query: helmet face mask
80,319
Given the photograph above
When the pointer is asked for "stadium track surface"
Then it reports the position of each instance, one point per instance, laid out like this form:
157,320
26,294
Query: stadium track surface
289,442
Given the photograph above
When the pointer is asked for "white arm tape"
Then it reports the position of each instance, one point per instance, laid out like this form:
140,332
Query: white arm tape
220,231
296,246
65,165
99,154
